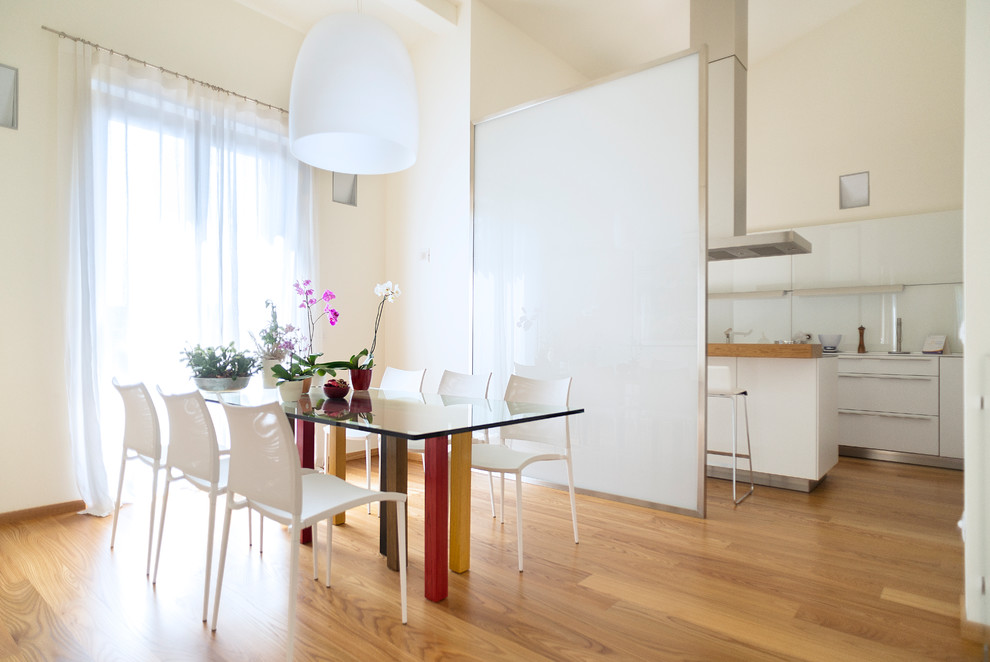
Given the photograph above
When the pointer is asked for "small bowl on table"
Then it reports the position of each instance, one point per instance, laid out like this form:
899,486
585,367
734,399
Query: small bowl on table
336,388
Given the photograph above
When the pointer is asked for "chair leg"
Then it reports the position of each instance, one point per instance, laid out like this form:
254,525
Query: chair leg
501,498
250,532
316,531
151,525
161,524
519,526
367,465
735,452
209,548
400,509
220,566
293,580
570,488
120,488
261,533
491,492
329,547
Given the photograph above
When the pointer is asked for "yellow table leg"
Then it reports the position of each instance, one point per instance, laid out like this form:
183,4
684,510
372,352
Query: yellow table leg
460,502
337,459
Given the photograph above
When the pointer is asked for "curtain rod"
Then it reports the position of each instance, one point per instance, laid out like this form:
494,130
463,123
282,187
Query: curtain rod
215,88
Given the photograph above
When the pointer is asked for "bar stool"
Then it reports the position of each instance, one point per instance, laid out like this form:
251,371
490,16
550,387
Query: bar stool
720,386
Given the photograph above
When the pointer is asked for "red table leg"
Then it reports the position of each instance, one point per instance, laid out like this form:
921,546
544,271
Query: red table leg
436,519
306,443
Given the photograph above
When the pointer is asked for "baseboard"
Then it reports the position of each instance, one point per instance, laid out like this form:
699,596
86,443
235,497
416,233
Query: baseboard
50,510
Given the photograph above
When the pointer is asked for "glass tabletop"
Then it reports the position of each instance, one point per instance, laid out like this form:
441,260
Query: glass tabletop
402,414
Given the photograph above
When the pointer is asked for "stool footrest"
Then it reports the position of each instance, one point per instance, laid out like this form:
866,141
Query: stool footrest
729,454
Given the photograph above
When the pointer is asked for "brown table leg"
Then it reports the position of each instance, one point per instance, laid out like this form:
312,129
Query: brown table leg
337,459
394,478
305,443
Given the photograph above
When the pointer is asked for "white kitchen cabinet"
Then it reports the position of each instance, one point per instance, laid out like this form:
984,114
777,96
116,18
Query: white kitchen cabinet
900,404
950,407
793,421
906,250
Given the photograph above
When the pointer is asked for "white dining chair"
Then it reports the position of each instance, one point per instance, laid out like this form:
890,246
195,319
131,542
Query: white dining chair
523,444
457,384
394,379
265,476
142,441
193,452
720,386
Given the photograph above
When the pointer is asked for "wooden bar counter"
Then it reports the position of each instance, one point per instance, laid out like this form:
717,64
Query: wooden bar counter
766,350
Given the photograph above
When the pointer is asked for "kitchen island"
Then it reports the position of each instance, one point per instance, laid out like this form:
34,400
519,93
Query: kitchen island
793,413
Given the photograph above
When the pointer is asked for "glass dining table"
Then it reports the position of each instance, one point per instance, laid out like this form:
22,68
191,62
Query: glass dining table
399,416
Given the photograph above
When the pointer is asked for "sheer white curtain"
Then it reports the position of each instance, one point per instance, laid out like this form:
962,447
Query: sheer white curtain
186,212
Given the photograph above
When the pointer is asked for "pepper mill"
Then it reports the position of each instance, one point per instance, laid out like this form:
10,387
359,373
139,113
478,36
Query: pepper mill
862,345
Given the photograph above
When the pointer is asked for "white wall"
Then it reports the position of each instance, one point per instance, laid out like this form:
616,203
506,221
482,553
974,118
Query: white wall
351,259
483,66
428,221
879,89
977,269
218,41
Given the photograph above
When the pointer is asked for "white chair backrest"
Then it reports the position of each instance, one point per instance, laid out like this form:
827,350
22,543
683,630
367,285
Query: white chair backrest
719,379
142,432
264,462
395,379
523,390
463,385
192,439
538,391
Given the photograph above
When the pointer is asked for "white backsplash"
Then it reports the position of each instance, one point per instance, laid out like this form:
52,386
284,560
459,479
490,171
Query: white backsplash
924,310
927,305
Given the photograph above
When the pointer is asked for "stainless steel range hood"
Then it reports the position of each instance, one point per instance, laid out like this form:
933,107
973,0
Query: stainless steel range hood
727,233
762,244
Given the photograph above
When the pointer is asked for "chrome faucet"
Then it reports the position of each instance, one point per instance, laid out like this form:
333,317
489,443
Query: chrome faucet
729,333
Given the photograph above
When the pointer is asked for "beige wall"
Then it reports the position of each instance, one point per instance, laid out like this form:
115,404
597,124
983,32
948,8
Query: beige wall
508,68
880,88
213,40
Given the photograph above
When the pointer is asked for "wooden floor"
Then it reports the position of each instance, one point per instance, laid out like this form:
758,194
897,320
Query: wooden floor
867,567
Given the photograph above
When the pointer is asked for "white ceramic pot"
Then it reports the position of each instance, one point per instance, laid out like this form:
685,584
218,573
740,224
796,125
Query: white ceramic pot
267,378
290,391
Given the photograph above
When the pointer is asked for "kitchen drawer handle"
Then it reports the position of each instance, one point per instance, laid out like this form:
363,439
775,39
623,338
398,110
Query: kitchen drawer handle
871,376
924,417
899,358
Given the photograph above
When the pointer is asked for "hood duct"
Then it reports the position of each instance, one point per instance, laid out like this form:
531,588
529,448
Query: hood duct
727,236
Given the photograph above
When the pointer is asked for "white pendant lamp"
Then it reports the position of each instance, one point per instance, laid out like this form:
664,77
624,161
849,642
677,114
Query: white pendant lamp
353,106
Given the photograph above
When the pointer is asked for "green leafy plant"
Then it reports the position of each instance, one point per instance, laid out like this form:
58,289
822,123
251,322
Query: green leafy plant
300,367
223,361
356,362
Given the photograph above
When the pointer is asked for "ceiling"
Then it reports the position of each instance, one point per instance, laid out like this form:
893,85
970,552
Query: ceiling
596,37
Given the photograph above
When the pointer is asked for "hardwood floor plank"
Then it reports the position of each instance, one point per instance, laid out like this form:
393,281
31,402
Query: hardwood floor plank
869,566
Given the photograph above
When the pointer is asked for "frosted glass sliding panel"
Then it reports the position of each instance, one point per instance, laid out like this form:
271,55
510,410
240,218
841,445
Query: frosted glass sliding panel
589,263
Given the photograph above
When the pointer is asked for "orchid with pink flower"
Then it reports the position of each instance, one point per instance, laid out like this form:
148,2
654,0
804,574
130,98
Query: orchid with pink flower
309,299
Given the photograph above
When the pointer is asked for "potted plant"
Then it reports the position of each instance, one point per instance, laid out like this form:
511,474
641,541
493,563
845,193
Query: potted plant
221,368
360,365
273,344
296,379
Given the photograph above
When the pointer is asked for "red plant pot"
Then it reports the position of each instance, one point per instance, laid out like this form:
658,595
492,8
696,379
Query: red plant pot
361,379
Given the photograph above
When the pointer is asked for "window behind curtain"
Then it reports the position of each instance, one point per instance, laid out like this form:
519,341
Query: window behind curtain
190,213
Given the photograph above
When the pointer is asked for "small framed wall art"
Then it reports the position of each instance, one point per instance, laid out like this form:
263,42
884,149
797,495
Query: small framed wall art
8,97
